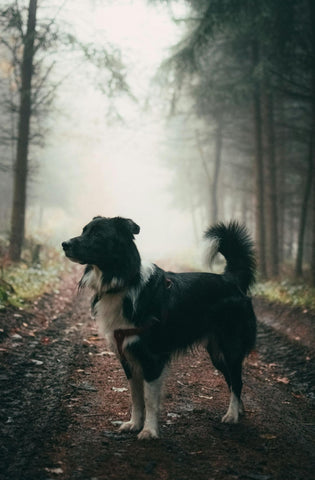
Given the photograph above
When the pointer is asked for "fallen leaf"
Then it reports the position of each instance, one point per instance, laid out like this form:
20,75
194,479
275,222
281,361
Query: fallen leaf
284,380
57,471
45,340
268,436
105,353
16,336
94,338
297,395
37,362
123,389
272,365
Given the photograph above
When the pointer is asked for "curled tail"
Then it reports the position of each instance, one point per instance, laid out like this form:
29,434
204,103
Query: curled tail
235,244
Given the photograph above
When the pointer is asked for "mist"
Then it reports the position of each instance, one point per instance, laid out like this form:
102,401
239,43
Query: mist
170,113
92,165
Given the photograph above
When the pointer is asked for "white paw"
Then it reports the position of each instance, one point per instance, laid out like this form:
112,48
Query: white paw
130,426
147,434
230,417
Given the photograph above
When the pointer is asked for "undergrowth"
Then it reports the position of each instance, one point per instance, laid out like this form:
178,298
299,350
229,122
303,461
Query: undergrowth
20,283
286,292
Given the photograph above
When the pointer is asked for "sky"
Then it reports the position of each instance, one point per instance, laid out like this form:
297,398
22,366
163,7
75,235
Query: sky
115,169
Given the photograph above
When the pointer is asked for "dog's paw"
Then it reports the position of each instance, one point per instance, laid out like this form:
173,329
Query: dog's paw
146,434
230,417
130,426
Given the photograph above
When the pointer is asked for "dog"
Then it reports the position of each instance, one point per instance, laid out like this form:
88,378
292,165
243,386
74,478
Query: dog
149,315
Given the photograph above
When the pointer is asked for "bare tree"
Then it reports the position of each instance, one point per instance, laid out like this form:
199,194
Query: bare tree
28,48
21,164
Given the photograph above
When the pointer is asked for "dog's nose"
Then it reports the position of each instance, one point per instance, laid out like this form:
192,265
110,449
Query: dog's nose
65,245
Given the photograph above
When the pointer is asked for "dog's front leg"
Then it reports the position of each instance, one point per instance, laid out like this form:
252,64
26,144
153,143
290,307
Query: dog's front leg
152,398
137,409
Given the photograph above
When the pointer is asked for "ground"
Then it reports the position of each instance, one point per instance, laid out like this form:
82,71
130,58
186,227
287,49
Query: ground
63,396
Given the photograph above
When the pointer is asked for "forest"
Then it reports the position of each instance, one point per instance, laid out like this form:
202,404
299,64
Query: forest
235,94
175,115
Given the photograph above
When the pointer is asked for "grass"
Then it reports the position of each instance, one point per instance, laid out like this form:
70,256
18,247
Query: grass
20,284
288,293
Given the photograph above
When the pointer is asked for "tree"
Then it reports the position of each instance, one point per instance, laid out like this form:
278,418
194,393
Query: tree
21,165
27,47
312,149
266,52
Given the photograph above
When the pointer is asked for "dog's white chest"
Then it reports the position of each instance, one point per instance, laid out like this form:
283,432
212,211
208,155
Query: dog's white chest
109,308
109,314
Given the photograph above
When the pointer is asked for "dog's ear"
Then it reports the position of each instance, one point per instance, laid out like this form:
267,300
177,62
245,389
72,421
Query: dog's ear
128,225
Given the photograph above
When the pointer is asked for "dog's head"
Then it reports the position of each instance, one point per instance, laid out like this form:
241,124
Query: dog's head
106,243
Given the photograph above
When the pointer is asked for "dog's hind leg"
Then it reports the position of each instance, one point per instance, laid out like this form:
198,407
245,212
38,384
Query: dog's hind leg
232,372
137,408
236,404
218,360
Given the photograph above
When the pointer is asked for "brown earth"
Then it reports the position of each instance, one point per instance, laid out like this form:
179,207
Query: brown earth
63,396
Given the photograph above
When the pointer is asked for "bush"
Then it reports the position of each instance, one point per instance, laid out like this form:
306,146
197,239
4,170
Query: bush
21,283
299,295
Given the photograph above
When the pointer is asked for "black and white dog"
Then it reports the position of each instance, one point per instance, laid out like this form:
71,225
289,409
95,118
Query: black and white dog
148,315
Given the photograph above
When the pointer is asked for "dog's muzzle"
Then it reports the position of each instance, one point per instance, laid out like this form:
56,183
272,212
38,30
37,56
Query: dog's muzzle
68,249
65,246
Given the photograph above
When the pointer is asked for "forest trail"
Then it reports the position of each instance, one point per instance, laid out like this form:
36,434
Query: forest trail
63,396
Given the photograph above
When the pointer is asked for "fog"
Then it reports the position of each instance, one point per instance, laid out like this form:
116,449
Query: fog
177,114
99,167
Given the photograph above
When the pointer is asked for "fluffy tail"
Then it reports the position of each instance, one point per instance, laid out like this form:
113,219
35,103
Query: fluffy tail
235,244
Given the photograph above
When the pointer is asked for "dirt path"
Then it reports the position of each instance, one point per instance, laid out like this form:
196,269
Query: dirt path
63,396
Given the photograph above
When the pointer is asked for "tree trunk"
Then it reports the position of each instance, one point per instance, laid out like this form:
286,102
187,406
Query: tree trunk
217,166
21,164
271,216
281,187
312,16
259,170
208,176
303,216
313,202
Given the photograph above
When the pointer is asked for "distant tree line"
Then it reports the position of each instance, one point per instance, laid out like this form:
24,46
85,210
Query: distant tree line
245,75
